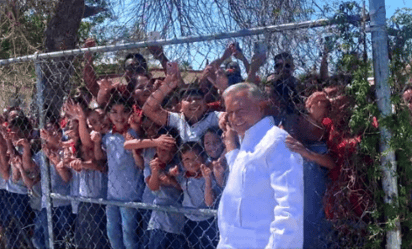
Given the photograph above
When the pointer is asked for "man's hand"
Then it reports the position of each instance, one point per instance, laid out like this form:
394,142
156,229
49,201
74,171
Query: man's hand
296,146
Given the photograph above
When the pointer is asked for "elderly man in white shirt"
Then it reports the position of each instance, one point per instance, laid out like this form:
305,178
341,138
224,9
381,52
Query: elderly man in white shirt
262,204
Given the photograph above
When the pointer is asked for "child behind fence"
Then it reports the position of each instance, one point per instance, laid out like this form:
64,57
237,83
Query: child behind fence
199,191
90,229
215,151
24,174
125,179
166,228
60,177
194,118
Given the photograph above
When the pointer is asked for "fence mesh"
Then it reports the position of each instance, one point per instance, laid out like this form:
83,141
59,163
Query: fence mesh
129,147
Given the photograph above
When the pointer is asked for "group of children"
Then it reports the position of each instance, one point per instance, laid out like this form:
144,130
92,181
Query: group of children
128,150
152,141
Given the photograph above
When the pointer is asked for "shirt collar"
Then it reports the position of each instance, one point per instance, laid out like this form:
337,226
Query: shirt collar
121,132
197,175
255,133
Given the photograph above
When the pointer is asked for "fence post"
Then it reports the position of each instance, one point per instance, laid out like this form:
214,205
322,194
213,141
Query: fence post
383,92
45,171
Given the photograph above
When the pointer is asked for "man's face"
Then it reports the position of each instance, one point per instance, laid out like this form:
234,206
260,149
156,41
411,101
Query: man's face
243,111
283,67
193,107
407,97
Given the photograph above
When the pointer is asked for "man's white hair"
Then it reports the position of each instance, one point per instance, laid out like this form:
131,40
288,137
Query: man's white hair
252,89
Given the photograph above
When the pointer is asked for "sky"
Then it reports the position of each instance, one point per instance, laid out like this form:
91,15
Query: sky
393,5
120,10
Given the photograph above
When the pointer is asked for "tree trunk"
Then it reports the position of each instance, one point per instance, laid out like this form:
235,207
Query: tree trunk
60,34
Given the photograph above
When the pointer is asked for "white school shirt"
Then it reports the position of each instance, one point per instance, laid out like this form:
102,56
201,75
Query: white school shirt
125,180
148,154
262,203
193,133
194,195
58,185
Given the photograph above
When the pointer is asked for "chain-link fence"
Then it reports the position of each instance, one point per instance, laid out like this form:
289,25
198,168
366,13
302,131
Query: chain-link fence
118,147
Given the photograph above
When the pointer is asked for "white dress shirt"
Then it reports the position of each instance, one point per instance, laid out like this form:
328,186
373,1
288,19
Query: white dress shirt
262,203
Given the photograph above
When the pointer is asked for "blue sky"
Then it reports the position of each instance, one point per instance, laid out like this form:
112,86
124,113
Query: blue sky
393,5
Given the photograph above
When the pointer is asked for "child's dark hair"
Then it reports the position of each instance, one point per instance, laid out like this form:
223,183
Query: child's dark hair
22,123
140,67
53,121
117,98
80,96
190,90
131,86
215,130
193,146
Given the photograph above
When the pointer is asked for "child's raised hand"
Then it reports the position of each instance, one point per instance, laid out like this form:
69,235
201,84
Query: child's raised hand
24,143
174,171
209,73
128,136
90,42
165,142
218,168
206,171
44,135
135,121
257,61
76,164
106,84
155,165
173,68
96,137
165,179
76,111
173,77
221,81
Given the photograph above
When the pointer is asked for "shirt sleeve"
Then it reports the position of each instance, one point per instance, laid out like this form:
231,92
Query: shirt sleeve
286,177
215,121
37,158
173,119
104,141
231,157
